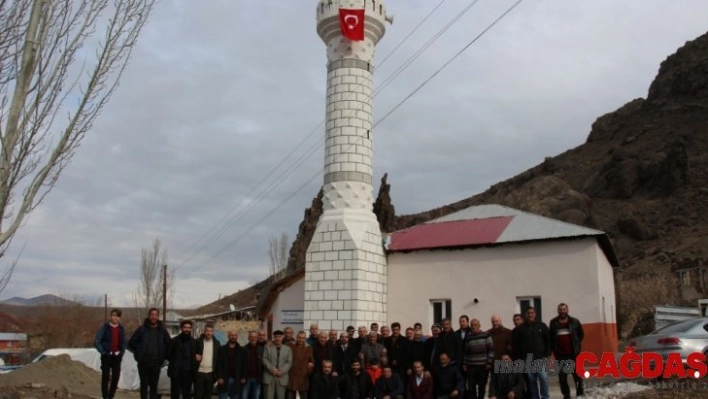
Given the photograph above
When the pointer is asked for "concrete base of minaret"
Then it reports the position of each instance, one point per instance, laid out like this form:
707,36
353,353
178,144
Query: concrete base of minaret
345,275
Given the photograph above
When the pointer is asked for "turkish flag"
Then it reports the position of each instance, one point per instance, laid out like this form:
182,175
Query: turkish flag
352,23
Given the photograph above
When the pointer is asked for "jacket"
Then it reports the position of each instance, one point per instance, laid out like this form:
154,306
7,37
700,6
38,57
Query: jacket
416,353
324,387
300,370
503,383
363,380
576,333
532,338
448,379
392,387
139,341
222,367
422,391
432,353
320,353
342,359
258,361
104,339
378,350
397,353
175,356
215,353
450,343
272,361
501,339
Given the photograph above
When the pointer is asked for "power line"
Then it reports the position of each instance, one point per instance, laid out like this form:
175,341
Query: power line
425,82
228,225
411,32
420,51
416,90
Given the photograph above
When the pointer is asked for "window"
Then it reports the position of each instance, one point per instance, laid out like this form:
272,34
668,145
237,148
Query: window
440,309
686,278
525,302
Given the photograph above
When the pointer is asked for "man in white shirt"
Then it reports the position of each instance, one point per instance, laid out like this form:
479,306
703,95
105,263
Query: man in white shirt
207,357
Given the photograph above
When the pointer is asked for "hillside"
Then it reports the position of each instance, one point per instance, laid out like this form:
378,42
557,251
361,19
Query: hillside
42,300
641,176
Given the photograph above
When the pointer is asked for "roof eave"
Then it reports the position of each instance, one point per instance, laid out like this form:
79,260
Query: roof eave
602,239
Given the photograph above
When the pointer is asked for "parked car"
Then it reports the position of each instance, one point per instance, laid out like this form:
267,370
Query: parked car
684,337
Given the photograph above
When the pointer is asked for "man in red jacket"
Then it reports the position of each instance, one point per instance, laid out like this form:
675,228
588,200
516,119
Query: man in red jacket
420,384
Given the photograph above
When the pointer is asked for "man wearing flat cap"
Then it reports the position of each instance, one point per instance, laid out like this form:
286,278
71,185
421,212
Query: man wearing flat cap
277,360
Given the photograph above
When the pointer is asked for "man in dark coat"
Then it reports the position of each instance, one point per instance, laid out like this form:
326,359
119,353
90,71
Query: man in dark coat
149,344
416,351
254,367
324,384
449,342
448,381
356,384
183,366
110,343
566,338
397,350
532,341
432,349
231,368
343,354
390,385
505,383
322,350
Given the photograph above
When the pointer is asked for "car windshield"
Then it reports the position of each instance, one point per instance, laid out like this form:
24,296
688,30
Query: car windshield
681,326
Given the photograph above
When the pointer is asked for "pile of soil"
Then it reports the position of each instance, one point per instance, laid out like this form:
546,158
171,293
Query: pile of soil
56,374
37,393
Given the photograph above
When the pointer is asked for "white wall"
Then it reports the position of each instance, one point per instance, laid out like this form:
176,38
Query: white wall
607,287
291,298
564,271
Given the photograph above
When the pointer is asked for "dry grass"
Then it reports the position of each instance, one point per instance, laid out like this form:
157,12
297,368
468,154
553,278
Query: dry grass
637,296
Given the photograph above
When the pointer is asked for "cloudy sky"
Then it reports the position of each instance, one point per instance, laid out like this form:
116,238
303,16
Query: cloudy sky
220,92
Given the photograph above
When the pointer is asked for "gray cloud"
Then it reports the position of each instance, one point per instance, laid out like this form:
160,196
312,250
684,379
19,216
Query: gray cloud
218,94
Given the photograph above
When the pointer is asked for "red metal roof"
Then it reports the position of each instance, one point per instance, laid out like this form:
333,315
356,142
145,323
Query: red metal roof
458,233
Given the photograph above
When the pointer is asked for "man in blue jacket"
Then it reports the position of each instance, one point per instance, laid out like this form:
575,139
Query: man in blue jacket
149,345
390,385
110,343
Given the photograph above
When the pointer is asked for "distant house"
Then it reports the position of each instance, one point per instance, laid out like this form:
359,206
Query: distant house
692,275
12,341
480,261
282,304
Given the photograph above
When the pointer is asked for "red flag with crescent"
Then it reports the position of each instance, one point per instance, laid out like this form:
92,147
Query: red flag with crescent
352,23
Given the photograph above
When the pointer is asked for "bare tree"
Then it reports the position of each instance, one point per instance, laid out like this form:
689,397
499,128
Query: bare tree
150,291
640,294
51,92
278,254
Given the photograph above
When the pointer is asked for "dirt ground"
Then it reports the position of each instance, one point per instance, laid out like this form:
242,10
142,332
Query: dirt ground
54,377
673,389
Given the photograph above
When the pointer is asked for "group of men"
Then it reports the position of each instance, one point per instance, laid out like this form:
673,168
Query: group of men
377,364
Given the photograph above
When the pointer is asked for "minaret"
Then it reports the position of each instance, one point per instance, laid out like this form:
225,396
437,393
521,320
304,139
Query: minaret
345,278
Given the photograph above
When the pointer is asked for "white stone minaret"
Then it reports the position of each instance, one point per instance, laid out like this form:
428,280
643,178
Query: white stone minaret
345,279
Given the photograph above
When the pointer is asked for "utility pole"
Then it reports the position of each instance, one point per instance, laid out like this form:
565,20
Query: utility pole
105,306
164,294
